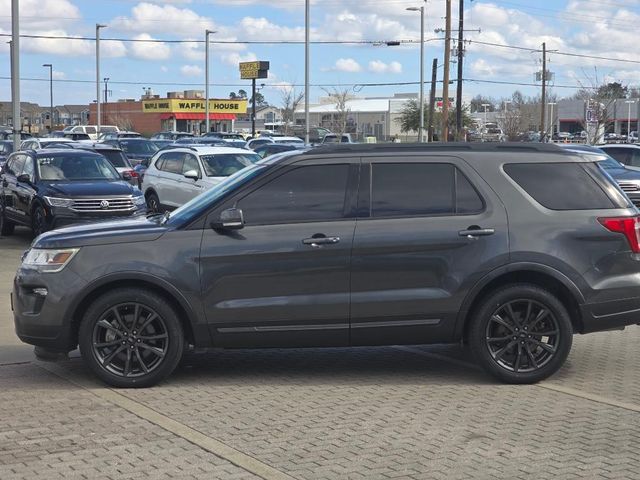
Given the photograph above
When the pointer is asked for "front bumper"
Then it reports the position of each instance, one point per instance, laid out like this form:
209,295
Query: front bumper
42,319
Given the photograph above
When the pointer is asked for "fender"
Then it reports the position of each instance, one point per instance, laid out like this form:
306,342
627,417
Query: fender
196,321
512,268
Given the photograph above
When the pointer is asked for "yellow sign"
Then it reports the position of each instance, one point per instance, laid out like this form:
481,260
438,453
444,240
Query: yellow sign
250,70
179,105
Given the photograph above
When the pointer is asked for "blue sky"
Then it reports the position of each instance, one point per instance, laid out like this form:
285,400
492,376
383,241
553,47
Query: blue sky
604,28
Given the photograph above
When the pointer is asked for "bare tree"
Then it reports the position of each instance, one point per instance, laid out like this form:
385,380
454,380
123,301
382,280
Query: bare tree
290,100
339,119
122,122
598,98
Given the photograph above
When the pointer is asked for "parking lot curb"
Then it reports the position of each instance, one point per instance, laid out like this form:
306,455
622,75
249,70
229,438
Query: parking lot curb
181,430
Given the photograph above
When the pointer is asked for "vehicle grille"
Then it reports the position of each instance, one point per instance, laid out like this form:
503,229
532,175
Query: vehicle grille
629,187
122,204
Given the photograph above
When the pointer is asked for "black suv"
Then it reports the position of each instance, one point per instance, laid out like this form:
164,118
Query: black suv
510,248
50,188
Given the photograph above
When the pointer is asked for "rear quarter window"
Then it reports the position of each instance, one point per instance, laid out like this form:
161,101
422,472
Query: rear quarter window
567,186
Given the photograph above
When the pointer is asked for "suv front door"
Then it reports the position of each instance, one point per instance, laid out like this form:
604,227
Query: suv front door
11,188
428,229
283,280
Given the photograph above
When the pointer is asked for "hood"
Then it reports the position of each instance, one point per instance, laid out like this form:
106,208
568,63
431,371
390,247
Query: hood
90,188
142,156
131,229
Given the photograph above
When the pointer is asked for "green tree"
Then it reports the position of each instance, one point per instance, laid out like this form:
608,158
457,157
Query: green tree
260,100
409,119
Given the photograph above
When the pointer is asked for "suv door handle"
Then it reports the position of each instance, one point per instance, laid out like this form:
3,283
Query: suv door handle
474,231
318,240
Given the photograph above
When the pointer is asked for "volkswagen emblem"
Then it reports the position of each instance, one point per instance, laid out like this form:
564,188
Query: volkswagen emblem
104,204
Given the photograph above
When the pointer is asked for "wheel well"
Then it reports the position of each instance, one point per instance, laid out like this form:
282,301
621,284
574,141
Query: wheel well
149,191
542,280
165,294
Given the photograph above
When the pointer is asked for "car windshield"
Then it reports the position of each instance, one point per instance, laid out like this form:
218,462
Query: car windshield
61,167
494,130
226,164
116,157
138,146
197,205
6,147
610,164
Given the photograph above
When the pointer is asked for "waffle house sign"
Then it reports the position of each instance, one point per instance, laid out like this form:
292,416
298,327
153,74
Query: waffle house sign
180,105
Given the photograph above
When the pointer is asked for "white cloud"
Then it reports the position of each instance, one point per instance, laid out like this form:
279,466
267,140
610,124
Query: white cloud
58,75
154,18
346,65
263,29
164,69
235,58
191,70
41,14
378,66
149,50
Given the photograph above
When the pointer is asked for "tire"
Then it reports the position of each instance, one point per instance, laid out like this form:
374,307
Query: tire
521,334
115,348
6,226
153,203
39,221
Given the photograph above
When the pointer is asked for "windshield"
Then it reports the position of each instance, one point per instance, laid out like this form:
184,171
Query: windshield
116,157
139,146
197,205
494,130
60,167
610,164
226,164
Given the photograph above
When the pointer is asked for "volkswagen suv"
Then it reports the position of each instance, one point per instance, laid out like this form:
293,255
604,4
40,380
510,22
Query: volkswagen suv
509,248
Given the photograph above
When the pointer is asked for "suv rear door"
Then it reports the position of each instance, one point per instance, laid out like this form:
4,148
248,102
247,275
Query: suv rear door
283,280
428,228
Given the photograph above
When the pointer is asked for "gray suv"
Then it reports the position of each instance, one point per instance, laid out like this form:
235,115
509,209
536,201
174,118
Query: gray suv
509,248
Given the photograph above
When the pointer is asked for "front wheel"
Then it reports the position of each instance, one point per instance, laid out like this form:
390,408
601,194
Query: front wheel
6,226
153,203
39,221
521,334
131,338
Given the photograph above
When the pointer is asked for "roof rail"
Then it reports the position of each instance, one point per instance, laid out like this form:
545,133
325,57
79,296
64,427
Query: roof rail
436,147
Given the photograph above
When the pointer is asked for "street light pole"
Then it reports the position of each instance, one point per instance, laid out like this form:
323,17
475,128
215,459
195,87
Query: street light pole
629,103
206,78
421,10
98,120
306,72
50,94
106,89
484,127
551,121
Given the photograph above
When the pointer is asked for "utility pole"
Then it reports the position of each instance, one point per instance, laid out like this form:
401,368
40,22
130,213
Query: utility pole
306,72
106,89
50,67
544,91
206,79
460,58
253,107
445,82
432,99
98,119
15,73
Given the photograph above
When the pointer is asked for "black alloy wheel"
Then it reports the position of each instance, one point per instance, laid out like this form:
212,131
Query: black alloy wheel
38,221
131,338
521,334
153,203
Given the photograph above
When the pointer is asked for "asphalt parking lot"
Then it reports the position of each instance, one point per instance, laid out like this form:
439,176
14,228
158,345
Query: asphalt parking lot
370,413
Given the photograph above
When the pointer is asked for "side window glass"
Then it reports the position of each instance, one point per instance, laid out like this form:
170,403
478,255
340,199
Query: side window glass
173,163
619,154
28,168
311,193
160,162
190,163
18,165
468,200
635,158
9,166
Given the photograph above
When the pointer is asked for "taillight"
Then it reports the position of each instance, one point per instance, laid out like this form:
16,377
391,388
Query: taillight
628,226
133,174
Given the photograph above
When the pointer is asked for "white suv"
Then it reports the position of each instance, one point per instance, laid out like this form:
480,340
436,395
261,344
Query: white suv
176,175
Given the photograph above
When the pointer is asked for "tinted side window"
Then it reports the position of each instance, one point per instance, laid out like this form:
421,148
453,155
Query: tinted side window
27,169
560,186
173,163
312,193
418,189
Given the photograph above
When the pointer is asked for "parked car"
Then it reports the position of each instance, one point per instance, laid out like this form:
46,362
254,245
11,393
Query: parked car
117,159
177,175
628,154
493,134
211,141
168,135
333,138
627,179
136,149
76,136
39,143
7,134
632,137
50,188
117,135
236,143
161,143
225,135
6,147
511,247
269,149
254,142
91,130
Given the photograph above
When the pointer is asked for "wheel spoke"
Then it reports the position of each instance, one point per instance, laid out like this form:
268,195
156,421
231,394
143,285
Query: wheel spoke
532,359
498,355
500,321
546,346
146,323
512,314
154,350
127,365
498,339
516,366
136,314
107,360
141,362
107,344
528,314
104,324
542,314
153,337
116,313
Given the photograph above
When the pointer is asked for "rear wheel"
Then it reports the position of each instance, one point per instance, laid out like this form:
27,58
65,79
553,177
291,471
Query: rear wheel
6,226
39,220
153,203
521,334
131,338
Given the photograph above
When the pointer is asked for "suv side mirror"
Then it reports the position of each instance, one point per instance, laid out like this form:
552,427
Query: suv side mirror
192,174
230,219
24,178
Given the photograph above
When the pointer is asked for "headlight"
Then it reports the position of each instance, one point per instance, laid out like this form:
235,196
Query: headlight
139,200
59,202
49,260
